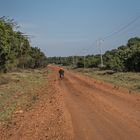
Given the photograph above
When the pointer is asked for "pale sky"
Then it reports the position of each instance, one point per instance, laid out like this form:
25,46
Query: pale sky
66,27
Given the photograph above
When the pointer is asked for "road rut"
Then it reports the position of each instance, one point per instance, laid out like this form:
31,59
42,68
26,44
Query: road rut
99,111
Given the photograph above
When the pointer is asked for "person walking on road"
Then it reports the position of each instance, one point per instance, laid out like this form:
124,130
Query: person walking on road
61,73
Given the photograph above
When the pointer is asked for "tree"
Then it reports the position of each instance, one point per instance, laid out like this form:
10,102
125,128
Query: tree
15,50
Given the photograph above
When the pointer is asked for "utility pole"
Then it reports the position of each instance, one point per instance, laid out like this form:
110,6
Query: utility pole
101,57
84,61
73,61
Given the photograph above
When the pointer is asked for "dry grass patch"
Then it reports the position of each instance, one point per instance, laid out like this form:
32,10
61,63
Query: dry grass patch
130,80
17,91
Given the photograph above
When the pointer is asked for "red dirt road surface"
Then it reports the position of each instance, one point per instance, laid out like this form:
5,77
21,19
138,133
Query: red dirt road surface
78,108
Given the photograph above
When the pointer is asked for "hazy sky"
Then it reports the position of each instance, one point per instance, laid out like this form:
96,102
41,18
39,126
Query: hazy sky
66,27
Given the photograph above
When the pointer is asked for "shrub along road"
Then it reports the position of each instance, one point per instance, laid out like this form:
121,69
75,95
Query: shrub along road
80,108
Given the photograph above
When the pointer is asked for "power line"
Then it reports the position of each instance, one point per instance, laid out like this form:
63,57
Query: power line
106,37
113,33
122,28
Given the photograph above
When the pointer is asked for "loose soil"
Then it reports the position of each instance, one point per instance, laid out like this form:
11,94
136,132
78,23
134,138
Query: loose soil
77,108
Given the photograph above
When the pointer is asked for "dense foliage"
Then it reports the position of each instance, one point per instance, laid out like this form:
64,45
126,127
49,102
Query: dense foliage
124,58
15,50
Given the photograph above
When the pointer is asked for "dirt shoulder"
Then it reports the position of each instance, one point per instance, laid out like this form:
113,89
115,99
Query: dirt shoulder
129,80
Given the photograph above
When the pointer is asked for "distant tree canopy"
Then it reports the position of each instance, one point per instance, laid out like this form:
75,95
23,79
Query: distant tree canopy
124,58
15,50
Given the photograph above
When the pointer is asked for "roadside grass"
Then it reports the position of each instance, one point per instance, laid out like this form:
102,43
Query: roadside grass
130,80
17,91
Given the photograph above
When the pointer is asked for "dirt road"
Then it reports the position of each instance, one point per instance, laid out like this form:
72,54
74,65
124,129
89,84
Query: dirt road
100,111
78,108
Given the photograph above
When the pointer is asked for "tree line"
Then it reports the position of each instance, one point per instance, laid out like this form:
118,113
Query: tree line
15,49
124,58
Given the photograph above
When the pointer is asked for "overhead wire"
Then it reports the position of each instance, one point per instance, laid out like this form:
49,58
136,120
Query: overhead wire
111,34
122,28
104,38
